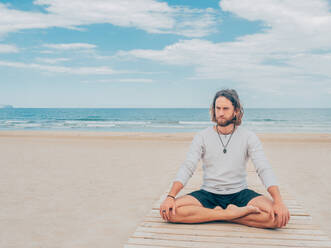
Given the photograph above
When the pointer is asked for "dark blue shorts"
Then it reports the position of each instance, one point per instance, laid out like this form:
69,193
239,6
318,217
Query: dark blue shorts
211,200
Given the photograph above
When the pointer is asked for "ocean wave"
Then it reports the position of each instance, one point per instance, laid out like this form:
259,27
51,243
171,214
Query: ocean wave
15,121
100,125
91,119
83,119
196,122
28,125
132,122
109,122
266,120
165,126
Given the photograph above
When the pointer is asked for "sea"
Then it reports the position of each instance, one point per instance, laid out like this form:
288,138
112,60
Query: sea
161,120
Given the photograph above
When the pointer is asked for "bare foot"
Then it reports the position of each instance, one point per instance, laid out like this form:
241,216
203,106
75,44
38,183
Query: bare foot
234,212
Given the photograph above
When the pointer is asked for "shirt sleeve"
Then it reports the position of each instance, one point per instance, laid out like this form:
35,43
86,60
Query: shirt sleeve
262,166
193,157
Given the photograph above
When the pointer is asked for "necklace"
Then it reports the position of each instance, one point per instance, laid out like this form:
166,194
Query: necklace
224,146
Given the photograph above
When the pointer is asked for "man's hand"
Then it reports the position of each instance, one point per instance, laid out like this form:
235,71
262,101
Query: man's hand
167,206
281,214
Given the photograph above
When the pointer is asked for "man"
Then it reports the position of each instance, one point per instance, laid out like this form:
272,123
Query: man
225,149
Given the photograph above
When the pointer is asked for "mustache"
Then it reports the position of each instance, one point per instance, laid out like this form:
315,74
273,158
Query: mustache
233,119
227,121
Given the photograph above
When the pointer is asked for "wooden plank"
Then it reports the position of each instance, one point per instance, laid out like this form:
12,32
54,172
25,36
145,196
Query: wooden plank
188,244
289,225
144,246
231,233
227,240
232,227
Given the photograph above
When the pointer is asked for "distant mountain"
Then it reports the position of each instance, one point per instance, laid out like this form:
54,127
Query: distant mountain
6,106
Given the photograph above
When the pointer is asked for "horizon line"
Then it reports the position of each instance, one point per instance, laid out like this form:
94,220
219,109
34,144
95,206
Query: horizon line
148,107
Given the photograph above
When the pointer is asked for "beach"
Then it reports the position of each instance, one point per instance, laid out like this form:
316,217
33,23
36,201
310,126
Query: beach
92,189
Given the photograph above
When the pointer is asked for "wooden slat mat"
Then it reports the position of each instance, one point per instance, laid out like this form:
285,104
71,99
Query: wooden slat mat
301,231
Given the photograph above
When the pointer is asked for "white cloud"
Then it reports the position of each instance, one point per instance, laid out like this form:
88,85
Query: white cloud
101,70
52,60
136,80
292,25
149,15
122,80
294,48
70,46
4,48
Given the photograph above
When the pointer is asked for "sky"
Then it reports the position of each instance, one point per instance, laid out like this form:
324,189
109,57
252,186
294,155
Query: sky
169,54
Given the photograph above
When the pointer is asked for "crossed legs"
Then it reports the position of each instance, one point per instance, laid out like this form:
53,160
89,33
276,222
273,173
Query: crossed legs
257,212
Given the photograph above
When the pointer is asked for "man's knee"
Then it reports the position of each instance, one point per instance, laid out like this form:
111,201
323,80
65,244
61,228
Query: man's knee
265,204
177,217
181,213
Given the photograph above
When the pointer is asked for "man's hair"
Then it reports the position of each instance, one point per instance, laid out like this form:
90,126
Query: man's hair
233,97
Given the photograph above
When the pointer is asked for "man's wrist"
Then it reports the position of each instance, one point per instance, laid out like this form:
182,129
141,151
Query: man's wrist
275,194
171,196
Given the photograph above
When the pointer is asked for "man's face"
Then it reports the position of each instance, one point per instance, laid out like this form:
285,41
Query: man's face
224,111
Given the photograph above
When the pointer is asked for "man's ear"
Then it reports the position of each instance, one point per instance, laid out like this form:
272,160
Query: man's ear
236,113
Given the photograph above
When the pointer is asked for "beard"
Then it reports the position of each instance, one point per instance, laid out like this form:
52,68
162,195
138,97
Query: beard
226,122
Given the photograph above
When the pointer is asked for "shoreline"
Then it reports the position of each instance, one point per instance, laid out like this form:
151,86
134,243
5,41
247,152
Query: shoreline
285,137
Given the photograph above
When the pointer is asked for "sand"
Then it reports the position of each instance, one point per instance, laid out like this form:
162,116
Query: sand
92,189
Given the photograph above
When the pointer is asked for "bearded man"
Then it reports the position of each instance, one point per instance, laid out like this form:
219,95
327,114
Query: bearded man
224,195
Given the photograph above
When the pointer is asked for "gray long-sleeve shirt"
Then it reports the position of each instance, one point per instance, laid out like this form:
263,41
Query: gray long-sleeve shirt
225,173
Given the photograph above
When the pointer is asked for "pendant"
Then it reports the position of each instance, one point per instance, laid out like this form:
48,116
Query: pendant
224,150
